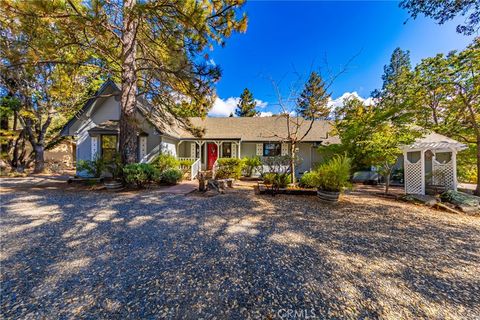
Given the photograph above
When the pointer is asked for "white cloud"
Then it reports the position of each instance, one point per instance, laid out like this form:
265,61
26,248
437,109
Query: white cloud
266,114
223,108
338,102
261,104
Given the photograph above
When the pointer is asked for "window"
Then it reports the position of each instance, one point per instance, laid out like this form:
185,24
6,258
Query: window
109,147
272,149
227,150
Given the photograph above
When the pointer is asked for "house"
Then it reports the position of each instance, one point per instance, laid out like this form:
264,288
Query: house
430,160
95,130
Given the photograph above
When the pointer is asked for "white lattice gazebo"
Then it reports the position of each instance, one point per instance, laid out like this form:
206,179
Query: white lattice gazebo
431,160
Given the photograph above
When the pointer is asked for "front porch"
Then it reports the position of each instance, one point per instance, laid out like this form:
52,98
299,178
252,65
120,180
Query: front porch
208,151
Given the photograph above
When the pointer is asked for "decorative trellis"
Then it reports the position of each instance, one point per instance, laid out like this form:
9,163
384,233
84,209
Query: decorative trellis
413,185
443,174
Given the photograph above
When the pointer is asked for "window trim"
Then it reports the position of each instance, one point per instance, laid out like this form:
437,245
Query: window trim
279,148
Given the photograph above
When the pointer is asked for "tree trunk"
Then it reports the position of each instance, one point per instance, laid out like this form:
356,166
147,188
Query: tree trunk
292,162
387,182
477,190
39,158
128,130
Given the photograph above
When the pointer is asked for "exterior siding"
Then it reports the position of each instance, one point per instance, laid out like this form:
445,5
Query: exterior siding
169,146
248,149
305,155
108,110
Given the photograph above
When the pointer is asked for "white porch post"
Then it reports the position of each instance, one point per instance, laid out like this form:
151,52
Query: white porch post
422,162
454,169
94,147
239,149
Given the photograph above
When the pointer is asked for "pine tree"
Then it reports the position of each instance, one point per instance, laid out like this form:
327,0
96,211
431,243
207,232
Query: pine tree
246,106
151,48
313,101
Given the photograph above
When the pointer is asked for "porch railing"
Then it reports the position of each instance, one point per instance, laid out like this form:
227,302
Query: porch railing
149,157
186,159
195,169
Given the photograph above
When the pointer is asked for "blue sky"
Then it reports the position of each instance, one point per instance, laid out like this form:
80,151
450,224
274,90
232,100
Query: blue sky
288,39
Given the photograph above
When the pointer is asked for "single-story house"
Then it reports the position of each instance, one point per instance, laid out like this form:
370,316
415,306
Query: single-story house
95,130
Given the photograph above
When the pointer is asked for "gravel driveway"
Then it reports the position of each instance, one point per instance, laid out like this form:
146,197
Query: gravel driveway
80,254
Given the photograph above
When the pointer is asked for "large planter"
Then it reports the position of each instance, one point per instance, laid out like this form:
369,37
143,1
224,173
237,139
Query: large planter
328,196
113,185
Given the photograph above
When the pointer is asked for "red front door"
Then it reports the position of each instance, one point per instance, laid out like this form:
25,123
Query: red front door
212,155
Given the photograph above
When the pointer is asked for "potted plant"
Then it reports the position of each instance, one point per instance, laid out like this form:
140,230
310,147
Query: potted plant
115,168
333,178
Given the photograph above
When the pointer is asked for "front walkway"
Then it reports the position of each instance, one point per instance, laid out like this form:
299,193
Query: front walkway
132,255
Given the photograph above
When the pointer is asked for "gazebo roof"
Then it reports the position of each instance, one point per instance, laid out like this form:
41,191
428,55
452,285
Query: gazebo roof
435,141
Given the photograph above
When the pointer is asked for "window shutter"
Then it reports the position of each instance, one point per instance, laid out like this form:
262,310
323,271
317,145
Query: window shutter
284,149
142,147
193,150
259,149
234,150
94,145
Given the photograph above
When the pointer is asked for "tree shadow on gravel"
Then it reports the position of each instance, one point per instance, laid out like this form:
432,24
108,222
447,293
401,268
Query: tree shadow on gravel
150,255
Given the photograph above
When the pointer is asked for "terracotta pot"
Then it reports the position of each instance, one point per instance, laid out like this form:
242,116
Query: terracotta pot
328,196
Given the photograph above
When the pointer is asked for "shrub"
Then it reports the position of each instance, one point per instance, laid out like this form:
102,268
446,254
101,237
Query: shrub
282,180
334,175
269,177
115,167
94,167
171,176
251,164
165,161
310,180
229,168
139,173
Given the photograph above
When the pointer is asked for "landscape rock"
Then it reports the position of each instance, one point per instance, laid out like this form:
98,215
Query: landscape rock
463,201
420,198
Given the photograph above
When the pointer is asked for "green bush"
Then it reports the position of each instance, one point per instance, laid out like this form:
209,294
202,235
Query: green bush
282,180
139,173
310,180
94,167
334,175
229,168
269,177
250,164
115,166
165,161
171,176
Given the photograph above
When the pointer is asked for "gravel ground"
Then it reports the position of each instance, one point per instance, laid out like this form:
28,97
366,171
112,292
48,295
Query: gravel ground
80,254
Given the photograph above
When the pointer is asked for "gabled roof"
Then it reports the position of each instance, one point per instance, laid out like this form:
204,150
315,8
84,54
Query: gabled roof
432,141
258,129
109,84
245,129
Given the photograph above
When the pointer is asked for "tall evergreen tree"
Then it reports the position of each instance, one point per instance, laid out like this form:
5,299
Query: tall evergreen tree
246,106
154,49
313,101
394,99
